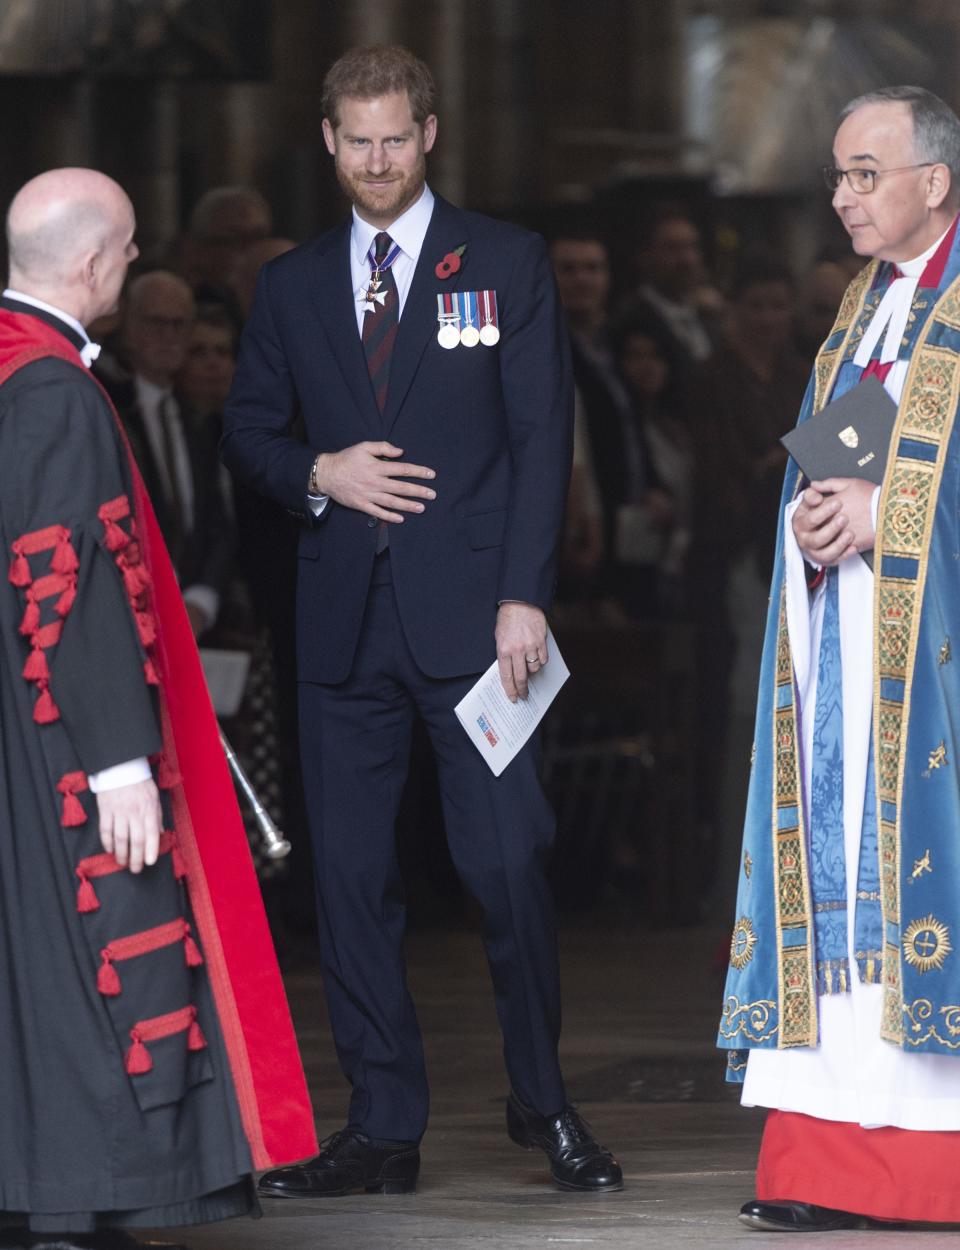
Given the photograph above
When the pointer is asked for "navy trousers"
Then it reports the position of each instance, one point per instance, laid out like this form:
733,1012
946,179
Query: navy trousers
355,739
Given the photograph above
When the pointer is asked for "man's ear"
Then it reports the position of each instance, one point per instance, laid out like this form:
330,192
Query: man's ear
329,137
91,270
429,132
938,185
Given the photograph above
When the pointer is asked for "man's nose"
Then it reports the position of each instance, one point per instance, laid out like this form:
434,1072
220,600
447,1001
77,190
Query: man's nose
377,159
843,197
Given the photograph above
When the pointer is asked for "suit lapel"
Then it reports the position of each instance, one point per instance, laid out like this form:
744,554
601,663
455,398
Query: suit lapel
418,323
332,282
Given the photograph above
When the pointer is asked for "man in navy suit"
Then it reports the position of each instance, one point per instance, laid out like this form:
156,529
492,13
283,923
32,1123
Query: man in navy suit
425,348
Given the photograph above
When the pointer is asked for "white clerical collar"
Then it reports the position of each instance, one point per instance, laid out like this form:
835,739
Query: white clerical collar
893,311
88,352
409,230
914,268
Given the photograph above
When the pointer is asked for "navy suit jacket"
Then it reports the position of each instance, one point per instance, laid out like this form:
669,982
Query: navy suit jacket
494,422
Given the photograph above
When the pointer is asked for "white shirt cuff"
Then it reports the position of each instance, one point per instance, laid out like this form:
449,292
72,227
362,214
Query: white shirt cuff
206,599
875,508
317,503
118,775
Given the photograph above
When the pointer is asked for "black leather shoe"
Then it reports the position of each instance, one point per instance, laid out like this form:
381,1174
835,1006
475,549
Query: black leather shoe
797,1217
348,1161
577,1161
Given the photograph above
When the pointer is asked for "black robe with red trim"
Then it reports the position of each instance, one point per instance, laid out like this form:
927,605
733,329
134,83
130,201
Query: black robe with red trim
147,1060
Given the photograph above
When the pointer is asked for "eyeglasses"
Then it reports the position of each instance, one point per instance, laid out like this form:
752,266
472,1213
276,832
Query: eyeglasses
863,181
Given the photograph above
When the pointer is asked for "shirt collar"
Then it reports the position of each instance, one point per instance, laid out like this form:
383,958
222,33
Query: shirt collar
89,352
409,230
149,395
914,268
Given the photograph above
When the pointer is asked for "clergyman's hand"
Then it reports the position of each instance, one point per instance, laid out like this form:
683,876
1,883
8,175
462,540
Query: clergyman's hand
521,635
367,477
130,824
834,520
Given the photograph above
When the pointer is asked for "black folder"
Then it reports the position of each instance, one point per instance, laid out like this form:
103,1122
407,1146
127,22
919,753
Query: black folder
850,437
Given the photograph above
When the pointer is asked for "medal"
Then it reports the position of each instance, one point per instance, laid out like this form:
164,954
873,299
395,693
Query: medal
448,315
469,335
371,296
489,331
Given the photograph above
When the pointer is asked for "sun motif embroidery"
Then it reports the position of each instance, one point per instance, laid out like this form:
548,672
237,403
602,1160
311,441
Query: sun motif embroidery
742,943
926,944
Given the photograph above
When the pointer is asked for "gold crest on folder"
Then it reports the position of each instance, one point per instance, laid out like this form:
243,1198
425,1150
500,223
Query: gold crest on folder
849,437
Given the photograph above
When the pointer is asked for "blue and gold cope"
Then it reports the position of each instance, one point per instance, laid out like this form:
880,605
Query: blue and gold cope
770,999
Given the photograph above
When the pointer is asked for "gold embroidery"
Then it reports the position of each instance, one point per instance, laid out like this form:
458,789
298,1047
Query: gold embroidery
752,1020
937,759
747,865
945,655
920,866
736,1065
920,1013
753,754
742,943
908,498
926,944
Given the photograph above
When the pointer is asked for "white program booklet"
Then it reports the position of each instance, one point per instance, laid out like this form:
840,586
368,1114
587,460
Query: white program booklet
499,728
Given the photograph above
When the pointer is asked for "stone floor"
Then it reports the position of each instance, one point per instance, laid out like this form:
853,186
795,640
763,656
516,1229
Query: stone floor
640,1011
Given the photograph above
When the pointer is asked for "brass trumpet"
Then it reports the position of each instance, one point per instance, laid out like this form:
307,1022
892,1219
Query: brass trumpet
275,845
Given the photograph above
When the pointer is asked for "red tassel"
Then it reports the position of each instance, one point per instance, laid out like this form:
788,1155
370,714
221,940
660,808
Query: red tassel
136,579
73,813
108,983
64,558
31,618
45,711
146,628
195,1038
150,673
138,1059
114,536
87,900
19,574
191,951
66,600
36,668
179,863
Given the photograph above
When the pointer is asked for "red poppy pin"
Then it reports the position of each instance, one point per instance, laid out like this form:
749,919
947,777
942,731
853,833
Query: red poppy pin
451,262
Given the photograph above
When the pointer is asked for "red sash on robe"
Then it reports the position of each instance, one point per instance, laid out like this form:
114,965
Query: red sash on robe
224,893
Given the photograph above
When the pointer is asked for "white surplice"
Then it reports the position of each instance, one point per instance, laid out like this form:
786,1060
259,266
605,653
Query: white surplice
853,1075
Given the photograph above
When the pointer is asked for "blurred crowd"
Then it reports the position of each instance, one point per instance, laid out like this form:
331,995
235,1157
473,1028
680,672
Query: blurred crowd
683,390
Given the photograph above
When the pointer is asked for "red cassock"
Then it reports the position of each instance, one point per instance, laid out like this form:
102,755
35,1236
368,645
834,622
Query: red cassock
886,1173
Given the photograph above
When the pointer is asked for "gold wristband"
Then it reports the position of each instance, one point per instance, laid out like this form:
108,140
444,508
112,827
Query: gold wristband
313,486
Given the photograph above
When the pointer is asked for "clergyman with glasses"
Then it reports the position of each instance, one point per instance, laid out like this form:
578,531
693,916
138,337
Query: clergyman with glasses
842,1006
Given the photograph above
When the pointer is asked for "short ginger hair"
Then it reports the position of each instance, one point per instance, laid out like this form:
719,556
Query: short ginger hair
367,72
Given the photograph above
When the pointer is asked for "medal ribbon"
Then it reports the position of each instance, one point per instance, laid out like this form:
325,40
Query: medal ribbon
387,261
489,308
